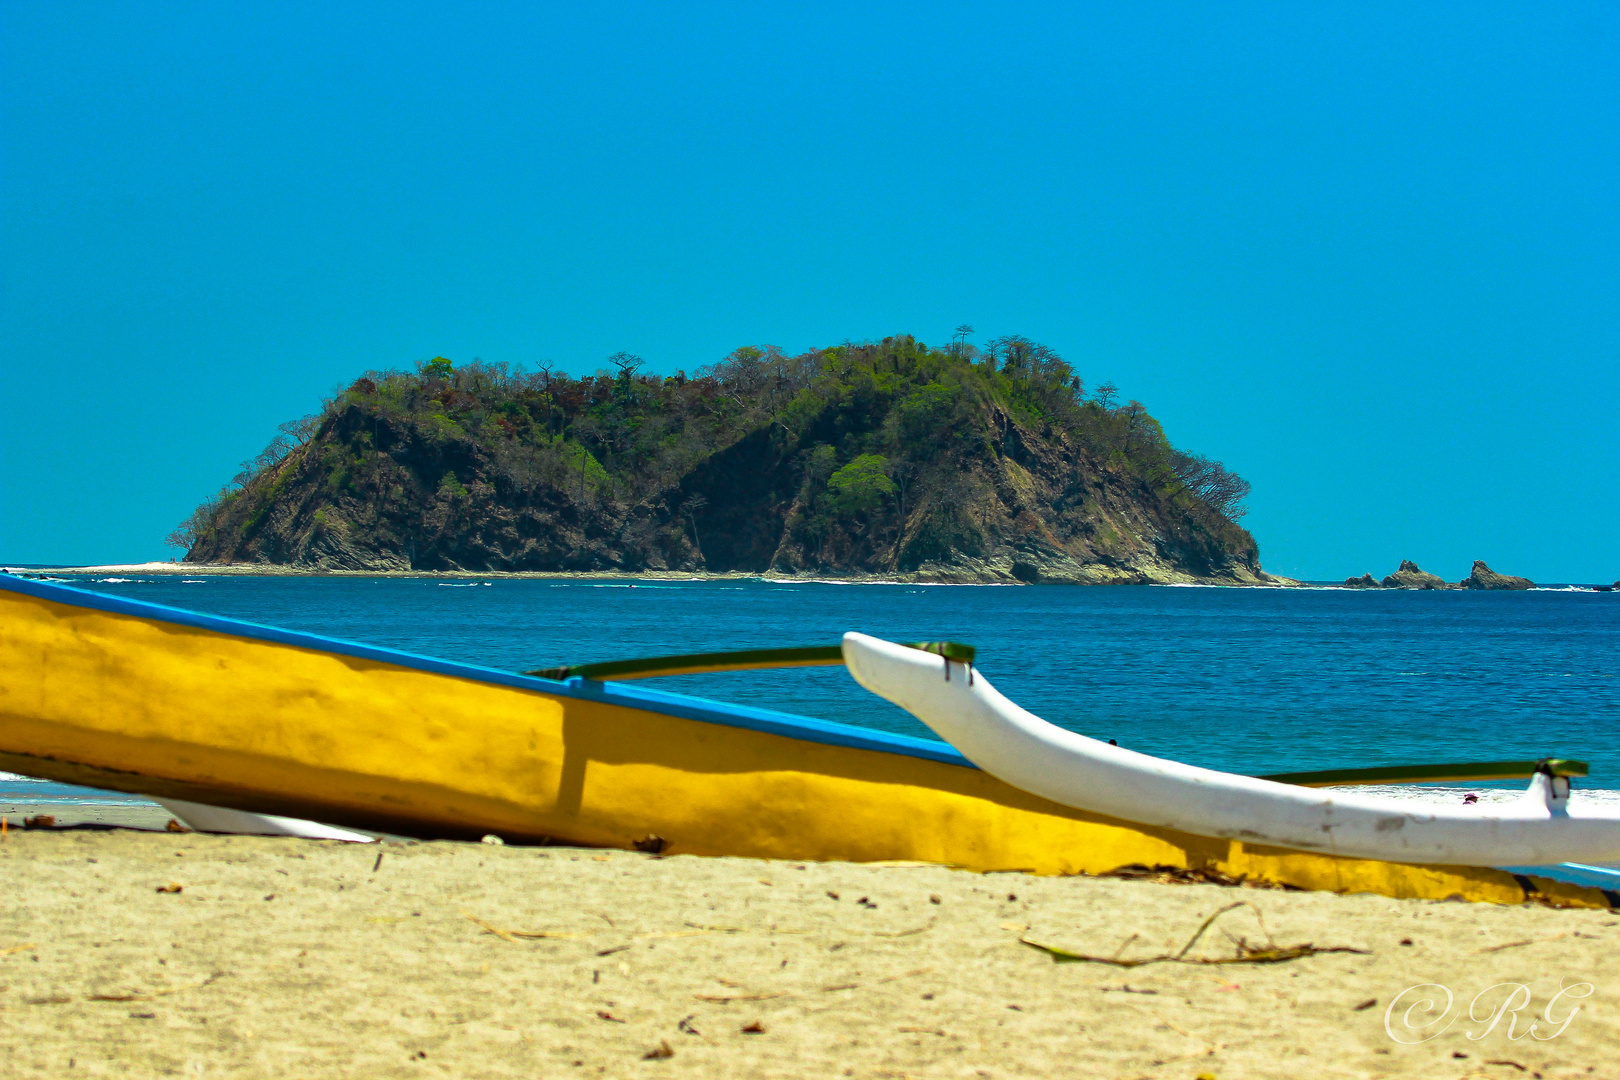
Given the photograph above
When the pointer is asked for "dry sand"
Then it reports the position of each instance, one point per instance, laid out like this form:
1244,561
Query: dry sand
290,958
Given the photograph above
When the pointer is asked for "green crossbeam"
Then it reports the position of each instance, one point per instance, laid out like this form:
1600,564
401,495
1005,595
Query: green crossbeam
752,659
1427,774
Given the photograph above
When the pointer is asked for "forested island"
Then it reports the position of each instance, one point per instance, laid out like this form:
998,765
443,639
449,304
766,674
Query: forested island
955,463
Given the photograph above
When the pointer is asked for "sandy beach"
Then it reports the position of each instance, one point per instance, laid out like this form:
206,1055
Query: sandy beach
130,953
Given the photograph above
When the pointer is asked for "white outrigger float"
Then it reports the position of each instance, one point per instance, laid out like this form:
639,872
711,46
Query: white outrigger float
1018,747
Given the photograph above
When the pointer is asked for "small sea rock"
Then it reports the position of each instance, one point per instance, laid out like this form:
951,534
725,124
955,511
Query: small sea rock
1410,577
1483,577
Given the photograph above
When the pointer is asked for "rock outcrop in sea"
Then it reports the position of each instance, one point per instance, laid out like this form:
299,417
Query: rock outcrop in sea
1409,576
1483,577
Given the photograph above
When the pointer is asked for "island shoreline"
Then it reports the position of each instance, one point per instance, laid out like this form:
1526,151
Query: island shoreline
1271,581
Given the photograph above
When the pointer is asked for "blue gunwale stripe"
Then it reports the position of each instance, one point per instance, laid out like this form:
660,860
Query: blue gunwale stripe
1593,877
684,706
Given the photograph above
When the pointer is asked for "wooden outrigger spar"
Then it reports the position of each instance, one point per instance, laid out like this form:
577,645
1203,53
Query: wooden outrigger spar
1432,774
750,660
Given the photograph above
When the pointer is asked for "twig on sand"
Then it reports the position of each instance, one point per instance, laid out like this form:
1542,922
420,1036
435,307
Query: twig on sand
497,931
513,935
876,982
507,934
904,975
1516,944
152,994
721,999
686,1027
1270,953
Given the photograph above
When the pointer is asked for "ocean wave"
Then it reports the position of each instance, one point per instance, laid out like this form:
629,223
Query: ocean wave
886,581
1452,794
965,584
631,585
1216,585
1476,675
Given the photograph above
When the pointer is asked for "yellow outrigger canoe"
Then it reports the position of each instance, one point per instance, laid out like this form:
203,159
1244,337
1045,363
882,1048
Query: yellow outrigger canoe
129,696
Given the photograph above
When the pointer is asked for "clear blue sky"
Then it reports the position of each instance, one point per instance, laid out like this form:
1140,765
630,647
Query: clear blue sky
1365,255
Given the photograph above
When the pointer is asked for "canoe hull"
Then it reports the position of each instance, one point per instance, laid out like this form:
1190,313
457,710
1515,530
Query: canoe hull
115,694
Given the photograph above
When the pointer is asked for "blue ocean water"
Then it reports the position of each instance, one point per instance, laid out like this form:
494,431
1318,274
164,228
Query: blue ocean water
1245,680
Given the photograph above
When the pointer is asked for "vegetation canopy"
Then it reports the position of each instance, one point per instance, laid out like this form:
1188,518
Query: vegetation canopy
960,463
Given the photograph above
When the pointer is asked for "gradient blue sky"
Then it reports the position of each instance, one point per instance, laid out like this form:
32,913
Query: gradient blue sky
1367,256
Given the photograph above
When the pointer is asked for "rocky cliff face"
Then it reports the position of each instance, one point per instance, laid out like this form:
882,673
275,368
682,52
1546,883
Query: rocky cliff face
373,493
888,459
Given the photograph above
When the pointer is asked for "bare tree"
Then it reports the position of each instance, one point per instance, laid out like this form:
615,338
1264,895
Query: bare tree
1134,412
959,339
543,369
1014,351
1212,482
903,473
300,431
690,509
624,384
